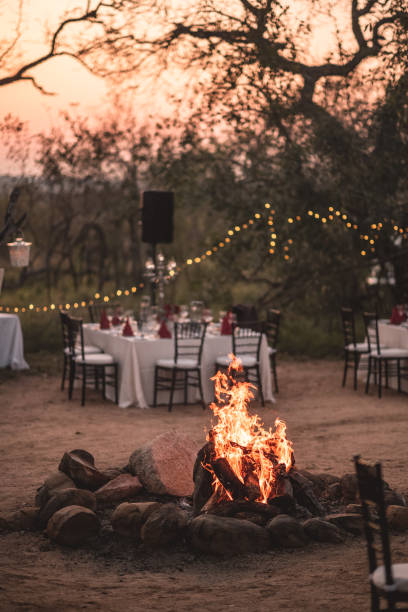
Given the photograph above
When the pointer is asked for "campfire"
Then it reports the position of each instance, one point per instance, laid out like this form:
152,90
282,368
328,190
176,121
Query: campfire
246,494
245,466
245,460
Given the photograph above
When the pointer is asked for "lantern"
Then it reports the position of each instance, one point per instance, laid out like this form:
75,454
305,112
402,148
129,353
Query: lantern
19,252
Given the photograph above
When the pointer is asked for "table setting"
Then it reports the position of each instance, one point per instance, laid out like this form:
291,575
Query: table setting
137,343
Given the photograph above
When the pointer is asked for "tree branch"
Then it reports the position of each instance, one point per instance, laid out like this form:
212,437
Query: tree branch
20,74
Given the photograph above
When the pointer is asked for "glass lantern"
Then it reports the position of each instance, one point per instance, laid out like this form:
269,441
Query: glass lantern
19,252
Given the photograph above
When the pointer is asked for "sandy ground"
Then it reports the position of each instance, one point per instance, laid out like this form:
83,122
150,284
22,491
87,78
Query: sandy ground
327,425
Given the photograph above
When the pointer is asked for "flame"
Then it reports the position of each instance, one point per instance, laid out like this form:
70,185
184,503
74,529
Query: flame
257,456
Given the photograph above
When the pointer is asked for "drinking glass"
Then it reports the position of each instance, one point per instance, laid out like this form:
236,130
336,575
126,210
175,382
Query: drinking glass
183,313
196,310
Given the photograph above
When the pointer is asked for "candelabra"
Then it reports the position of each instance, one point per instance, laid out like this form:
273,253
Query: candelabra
159,271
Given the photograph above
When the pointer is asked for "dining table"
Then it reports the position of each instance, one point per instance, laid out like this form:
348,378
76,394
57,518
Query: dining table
138,354
11,343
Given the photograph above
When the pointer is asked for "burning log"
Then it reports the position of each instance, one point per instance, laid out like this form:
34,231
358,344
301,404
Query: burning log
303,493
228,478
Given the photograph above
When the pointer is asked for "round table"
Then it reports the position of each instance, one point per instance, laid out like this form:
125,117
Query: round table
11,343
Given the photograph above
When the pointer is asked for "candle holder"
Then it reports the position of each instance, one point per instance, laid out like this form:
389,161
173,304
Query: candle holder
159,272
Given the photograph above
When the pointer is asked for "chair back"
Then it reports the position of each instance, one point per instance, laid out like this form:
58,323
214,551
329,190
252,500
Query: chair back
371,490
189,340
245,313
247,338
75,337
349,330
271,326
371,331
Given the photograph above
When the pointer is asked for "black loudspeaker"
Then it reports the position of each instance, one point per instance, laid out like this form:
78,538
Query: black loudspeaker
157,216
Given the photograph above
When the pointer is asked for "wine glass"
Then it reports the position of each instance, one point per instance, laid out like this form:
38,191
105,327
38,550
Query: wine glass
196,310
183,313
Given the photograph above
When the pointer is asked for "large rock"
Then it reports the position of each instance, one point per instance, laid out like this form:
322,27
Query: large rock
123,487
67,497
25,519
397,517
164,526
322,531
128,518
347,521
72,525
349,488
286,531
80,466
226,536
392,498
165,465
54,482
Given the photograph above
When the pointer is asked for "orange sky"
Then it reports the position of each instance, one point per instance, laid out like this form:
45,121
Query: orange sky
73,85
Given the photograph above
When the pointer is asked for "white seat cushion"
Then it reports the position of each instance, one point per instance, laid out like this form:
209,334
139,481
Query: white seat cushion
271,350
182,364
360,347
390,353
400,575
223,361
88,349
95,359
248,361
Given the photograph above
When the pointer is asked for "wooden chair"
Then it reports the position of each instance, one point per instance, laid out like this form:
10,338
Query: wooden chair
271,328
184,370
384,362
352,349
388,581
101,366
67,356
246,344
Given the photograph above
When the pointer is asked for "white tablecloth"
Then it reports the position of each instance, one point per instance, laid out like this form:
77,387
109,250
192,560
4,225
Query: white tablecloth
11,343
137,358
391,336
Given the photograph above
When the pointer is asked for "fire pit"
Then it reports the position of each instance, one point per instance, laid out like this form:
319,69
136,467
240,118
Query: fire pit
246,494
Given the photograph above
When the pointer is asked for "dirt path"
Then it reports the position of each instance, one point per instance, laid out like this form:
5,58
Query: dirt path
327,425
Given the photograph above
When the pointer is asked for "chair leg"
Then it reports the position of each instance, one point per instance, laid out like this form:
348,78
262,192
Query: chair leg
386,374
71,379
185,387
399,375
356,363
368,375
200,388
345,368
64,372
379,377
83,384
173,384
103,376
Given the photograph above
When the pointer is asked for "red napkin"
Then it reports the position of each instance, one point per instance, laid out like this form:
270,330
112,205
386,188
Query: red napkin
164,330
116,320
398,316
226,327
127,329
104,322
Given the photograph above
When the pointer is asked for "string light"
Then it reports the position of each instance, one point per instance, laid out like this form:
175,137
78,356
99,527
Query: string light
232,233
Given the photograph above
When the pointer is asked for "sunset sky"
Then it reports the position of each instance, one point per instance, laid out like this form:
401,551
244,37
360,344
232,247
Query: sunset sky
74,87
